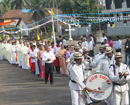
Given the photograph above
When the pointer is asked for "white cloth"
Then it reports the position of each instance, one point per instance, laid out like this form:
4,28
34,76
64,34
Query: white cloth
115,77
52,49
32,55
64,42
36,61
102,39
19,47
47,55
81,50
118,44
77,97
14,55
99,57
90,45
104,65
93,40
56,49
77,75
85,44
121,98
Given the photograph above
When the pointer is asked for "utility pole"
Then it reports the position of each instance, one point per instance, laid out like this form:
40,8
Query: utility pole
53,6
99,18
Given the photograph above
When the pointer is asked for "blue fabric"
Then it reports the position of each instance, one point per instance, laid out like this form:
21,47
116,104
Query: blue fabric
25,10
127,55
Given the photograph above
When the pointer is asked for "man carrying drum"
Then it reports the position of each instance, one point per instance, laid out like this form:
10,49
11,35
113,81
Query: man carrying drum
119,74
76,83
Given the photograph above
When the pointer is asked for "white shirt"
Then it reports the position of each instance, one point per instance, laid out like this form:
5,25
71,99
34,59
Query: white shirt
64,42
104,65
93,40
115,77
56,49
118,44
77,75
98,57
81,50
90,45
47,55
85,44
52,49
32,55
36,51
102,39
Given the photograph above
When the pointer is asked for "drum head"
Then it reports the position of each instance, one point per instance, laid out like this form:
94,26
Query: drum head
101,84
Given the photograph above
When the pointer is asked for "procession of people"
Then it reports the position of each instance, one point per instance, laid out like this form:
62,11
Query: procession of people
75,61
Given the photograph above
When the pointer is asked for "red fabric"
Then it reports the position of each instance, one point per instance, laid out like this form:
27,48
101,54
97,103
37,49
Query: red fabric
6,23
42,73
57,45
30,62
56,62
33,68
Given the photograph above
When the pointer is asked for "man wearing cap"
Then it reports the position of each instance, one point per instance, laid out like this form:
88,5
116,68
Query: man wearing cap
103,67
89,64
100,55
76,83
57,62
120,74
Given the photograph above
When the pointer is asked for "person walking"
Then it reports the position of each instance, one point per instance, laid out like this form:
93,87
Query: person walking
48,57
127,50
118,45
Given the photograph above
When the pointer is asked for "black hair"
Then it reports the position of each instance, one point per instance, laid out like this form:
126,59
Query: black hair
103,34
52,43
118,37
127,37
109,37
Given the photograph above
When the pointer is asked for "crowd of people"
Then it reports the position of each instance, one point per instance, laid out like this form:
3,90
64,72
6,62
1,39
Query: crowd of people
76,61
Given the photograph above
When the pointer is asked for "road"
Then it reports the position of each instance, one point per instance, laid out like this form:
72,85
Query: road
21,87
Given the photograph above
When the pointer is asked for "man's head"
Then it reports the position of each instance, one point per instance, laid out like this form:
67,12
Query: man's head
72,47
42,41
84,39
52,44
49,43
20,41
31,44
127,38
33,47
109,52
24,43
59,36
78,58
34,41
76,47
118,58
63,37
103,34
117,38
58,42
80,44
48,48
85,51
89,38
101,49
62,46
68,48
109,38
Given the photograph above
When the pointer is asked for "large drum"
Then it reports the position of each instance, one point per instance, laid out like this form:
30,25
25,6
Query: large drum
101,85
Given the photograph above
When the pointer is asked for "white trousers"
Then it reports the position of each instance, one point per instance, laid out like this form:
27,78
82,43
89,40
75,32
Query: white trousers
77,97
20,59
89,101
110,99
121,98
36,66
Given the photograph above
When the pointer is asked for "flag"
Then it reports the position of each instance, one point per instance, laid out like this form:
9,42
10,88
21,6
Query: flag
18,37
113,25
41,32
38,38
20,26
0,38
51,37
21,37
52,13
8,36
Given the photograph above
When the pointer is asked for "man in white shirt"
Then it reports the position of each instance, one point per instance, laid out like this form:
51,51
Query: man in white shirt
118,45
84,43
99,56
102,38
80,49
48,57
103,67
42,41
120,74
76,83
19,47
64,41
90,47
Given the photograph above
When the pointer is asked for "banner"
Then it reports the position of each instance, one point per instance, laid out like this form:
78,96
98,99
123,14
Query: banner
6,23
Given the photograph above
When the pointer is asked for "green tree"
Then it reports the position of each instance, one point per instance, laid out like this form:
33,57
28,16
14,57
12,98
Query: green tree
4,6
37,7
19,4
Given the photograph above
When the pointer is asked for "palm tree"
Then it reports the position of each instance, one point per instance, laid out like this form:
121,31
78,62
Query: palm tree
19,4
38,9
4,6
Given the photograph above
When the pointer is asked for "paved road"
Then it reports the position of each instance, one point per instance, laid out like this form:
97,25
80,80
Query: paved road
21,87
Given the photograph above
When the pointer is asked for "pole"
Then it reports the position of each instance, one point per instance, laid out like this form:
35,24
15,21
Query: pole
53,6
53,30
99,19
